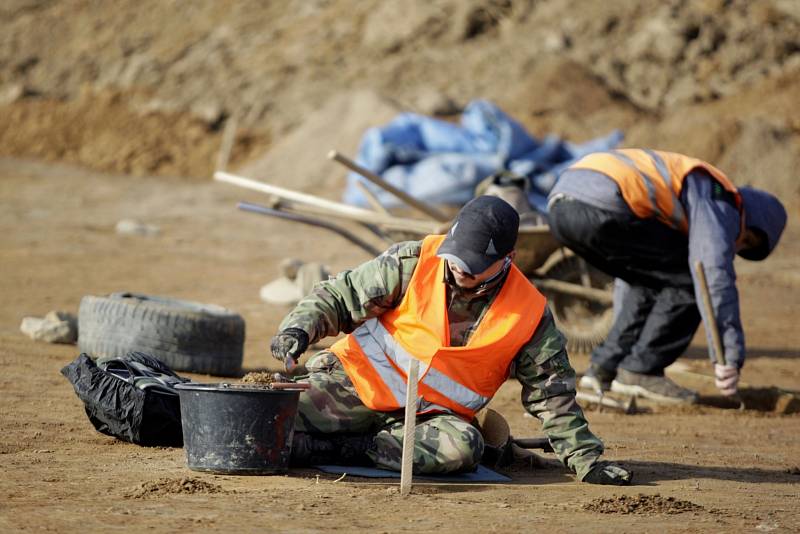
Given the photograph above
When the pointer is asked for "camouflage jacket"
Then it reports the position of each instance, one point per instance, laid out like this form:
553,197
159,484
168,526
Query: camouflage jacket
341,304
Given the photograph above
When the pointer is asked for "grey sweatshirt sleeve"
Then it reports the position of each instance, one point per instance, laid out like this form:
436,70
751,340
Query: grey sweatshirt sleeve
713,229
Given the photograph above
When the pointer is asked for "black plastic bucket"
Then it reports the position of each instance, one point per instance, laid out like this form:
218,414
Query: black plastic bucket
237,429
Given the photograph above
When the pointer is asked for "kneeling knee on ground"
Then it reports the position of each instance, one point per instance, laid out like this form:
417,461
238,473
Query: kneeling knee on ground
438,449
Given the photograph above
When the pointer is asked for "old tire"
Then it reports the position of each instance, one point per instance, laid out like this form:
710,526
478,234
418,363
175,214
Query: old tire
187,336
584,323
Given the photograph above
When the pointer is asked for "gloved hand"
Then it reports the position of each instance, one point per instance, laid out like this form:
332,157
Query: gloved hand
288,345
609,474
726,378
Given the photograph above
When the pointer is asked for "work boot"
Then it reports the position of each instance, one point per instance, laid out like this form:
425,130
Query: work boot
336,449
654,387
597,378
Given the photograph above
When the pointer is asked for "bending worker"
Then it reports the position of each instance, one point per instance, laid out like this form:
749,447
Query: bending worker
458,305
645,216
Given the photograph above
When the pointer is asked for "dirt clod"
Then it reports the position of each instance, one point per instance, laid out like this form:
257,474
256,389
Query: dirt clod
641,504
166,486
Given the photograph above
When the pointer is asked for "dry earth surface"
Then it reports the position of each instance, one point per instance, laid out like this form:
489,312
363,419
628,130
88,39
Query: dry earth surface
117,112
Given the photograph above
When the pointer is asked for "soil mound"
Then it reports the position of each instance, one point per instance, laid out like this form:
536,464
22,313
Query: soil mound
166,486
674,52
114,132
641,504
669,73
297,160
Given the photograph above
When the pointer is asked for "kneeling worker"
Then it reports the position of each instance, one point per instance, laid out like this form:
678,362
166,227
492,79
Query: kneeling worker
644,217
458,305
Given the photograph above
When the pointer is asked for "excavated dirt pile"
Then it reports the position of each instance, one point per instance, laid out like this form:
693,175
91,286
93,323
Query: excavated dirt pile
145,87
641,504
165,486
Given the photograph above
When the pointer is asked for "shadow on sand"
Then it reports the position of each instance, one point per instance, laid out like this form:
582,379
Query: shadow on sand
650,473
701,353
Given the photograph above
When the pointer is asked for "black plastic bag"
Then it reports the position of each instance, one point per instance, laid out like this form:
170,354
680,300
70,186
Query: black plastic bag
130,398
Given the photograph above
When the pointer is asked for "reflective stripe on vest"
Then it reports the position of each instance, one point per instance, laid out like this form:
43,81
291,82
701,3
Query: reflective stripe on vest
651,181
380,348
678,215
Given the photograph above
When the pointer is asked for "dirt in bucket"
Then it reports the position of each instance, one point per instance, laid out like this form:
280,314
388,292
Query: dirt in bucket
166,486
258,378
641,504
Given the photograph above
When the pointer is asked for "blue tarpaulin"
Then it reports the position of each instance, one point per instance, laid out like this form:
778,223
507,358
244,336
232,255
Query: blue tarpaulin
481,474
442,162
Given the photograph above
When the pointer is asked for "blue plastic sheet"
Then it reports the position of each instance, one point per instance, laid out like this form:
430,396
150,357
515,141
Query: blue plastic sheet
442,162
481,474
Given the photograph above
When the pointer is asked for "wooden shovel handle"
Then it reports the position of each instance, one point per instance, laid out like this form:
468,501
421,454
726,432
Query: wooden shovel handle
290,385
717,354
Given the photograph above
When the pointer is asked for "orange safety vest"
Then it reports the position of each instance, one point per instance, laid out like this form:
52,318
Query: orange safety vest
651,181
461,380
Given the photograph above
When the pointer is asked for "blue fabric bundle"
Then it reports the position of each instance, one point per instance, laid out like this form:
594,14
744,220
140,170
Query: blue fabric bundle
441,162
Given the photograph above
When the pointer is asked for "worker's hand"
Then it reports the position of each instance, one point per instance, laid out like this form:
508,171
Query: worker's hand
726,378
609,474
288,345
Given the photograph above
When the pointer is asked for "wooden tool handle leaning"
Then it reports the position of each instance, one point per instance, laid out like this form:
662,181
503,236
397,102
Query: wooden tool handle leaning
419,205
717,353
290,385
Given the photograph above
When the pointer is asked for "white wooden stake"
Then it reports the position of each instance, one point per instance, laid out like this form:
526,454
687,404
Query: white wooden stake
407,466
329,207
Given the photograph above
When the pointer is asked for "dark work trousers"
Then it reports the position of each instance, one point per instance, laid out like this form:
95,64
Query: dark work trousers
657,314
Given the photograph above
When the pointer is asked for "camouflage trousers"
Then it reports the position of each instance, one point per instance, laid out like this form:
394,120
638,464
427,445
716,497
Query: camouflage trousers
444,443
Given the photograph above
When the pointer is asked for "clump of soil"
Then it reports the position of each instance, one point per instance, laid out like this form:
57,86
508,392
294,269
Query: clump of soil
165,486
258,377
793,470
641,504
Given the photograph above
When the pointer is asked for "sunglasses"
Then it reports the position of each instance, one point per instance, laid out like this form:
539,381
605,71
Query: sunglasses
503,269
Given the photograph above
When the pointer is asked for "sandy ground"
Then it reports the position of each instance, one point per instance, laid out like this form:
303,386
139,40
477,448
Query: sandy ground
145,88
57,243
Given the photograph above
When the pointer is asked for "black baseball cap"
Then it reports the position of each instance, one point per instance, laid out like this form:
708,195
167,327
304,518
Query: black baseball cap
485,230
